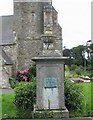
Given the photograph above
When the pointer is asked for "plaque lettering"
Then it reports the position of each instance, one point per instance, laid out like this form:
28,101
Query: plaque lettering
50,82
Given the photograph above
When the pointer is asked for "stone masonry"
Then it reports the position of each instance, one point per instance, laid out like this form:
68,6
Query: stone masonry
23,30
29,25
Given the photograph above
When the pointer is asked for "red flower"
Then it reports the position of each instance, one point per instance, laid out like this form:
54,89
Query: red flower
23,71
25,78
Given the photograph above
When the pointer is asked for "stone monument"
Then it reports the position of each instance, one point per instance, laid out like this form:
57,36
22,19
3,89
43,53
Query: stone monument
50,73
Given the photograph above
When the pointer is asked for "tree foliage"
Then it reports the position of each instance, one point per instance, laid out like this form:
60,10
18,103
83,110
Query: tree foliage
81,56
77,53
67,53
91,59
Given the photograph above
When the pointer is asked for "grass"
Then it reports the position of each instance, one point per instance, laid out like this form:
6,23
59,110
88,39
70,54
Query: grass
8,108
0,107
87,89
92,98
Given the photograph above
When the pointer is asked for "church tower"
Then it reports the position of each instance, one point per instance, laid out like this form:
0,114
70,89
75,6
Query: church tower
31,21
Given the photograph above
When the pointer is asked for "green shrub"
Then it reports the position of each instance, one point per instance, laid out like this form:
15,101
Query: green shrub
73,96
32,71
12,82
24,114
25,96
78,71
73,67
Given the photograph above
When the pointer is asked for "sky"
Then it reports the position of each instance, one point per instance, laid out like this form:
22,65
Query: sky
74,16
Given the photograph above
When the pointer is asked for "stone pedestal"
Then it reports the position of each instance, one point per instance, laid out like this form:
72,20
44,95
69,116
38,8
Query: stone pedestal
50,72
50,85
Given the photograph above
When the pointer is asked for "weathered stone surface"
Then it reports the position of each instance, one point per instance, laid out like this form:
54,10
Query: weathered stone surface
12,52
52,67
5,73
22,32
25,29
7,30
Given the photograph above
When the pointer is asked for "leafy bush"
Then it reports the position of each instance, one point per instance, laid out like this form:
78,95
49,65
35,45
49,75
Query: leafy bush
25,95
24,114
73,96
78,71
32,71
12,82
92,65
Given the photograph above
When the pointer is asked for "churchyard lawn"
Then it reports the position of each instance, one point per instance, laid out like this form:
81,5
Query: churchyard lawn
9,109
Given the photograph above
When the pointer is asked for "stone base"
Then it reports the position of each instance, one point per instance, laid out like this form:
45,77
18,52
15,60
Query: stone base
5,86
61,113
57,113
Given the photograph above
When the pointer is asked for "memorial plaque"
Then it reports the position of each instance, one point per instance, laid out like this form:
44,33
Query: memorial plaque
50,82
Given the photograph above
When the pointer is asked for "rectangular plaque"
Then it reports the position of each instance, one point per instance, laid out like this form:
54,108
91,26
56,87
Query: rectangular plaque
50,82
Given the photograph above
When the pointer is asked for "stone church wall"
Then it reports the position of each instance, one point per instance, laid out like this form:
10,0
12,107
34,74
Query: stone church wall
12,52
28,27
